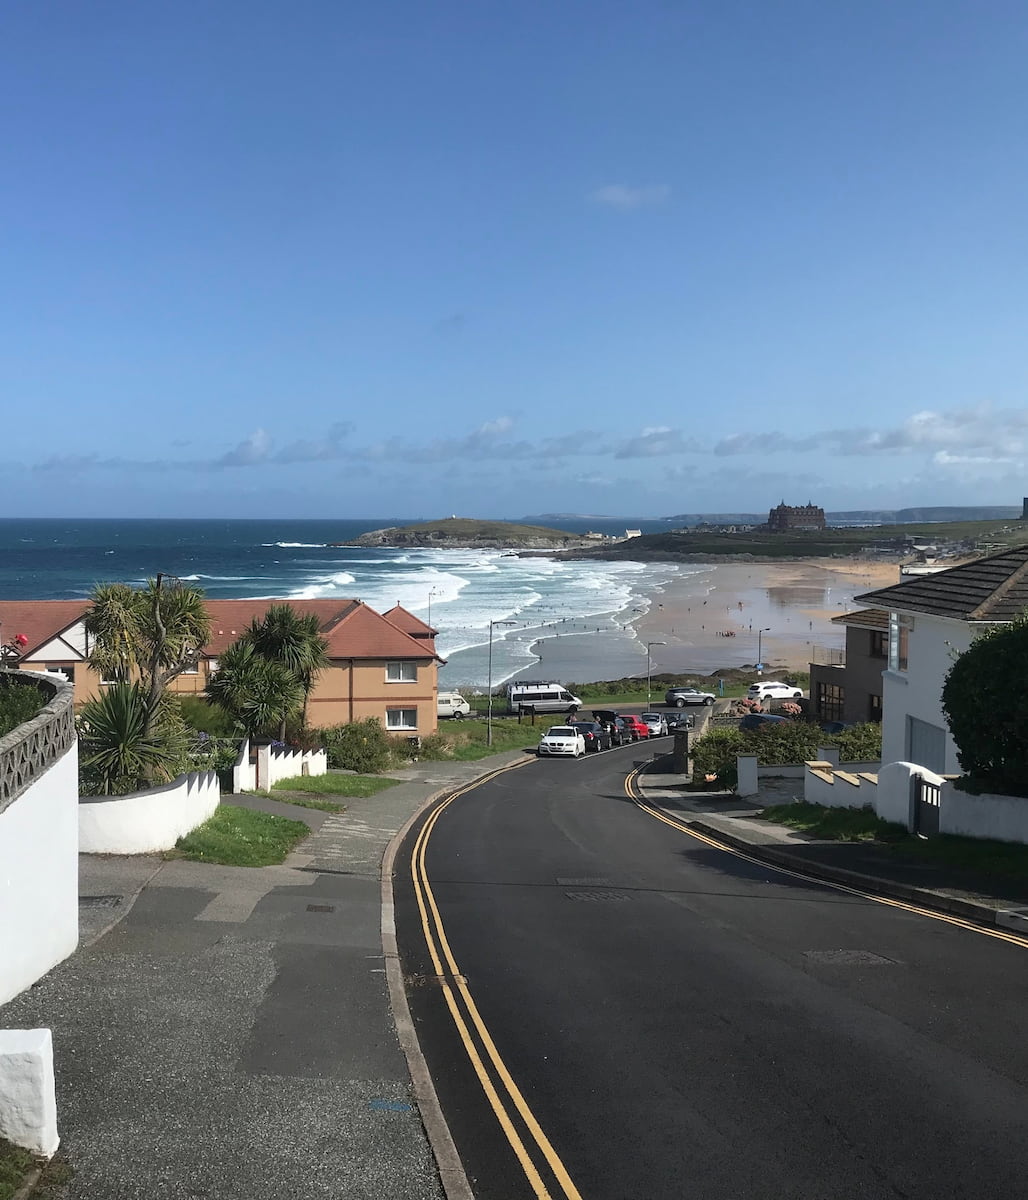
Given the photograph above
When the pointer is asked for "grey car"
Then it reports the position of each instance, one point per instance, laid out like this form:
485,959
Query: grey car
679,697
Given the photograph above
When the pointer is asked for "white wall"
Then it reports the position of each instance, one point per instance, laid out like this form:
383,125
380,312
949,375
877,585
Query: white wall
917,692
146,822
39,876
1004,818
274,764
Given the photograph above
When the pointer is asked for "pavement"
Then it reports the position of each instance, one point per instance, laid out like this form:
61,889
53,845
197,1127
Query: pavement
228,1032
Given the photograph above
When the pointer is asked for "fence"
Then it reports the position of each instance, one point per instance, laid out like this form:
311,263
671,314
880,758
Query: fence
260,771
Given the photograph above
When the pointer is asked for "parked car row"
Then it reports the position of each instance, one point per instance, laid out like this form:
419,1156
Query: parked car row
606,730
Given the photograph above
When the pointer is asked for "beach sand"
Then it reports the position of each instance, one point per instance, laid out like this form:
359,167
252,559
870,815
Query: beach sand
710,616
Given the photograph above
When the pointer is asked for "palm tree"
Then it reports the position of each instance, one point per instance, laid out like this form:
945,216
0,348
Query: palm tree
118,747
292,639
153,634
258,692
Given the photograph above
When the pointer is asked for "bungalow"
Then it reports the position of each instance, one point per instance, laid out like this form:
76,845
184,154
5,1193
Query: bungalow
381,665
933,619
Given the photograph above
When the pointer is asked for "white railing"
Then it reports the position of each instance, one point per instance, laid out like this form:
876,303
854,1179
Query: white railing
150,821
275,763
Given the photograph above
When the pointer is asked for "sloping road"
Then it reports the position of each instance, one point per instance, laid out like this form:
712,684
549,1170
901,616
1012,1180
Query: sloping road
614,1010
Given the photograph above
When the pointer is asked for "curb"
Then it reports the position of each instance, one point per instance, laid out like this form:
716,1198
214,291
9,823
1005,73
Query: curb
451,1169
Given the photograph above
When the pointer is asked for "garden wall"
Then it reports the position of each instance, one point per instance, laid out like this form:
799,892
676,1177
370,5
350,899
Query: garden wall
275,763
150,821
39,906
1004,818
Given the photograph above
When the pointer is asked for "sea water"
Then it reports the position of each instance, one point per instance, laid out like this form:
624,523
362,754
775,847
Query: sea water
462,593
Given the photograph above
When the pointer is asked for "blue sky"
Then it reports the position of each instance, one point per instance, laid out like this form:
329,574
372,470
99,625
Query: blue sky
325,259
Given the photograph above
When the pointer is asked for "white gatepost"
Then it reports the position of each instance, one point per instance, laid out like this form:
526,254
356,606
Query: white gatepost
746,768
828,754
28,1095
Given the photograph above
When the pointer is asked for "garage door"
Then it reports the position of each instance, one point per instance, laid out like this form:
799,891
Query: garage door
926,745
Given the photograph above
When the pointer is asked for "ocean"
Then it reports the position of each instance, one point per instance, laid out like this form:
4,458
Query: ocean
459,591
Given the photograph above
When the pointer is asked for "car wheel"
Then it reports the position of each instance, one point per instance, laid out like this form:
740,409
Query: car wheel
458,716
709,701
797,695
679,703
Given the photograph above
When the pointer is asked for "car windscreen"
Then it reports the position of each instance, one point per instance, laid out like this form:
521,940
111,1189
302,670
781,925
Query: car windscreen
560,731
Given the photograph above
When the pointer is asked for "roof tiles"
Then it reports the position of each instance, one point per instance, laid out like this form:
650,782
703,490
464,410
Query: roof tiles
994,588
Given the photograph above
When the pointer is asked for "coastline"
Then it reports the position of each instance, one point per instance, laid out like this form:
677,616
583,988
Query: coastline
791,604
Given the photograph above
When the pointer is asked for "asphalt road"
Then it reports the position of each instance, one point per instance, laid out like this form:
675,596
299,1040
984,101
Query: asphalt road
680,1023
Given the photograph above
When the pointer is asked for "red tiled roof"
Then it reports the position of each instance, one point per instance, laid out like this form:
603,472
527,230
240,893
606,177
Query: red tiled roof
38,620
408,622
351,628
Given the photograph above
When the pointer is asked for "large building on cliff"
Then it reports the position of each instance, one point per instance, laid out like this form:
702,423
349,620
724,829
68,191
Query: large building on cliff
787,518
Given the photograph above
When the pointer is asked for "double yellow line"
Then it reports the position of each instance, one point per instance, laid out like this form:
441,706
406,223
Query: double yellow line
631,790
530,1145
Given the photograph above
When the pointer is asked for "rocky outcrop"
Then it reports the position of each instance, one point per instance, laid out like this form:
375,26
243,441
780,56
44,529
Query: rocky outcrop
460,534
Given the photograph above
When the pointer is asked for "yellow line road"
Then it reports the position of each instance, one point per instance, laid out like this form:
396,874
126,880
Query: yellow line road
530,1144
631,790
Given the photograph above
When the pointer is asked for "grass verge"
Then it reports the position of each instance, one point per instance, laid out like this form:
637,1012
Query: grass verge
1002,859
466,741
239,837
15,1164
834,824
335,784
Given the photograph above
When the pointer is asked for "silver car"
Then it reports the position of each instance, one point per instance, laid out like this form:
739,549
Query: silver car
656,723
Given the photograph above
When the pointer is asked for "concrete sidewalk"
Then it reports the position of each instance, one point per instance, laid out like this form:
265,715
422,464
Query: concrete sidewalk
226,1031
988,899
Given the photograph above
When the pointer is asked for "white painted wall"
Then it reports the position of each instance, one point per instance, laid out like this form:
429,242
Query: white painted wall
1004,818
275,764
39,876
833,791
146,822
917,692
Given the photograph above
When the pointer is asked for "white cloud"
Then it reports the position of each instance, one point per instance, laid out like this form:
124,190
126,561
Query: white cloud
623,196
251,450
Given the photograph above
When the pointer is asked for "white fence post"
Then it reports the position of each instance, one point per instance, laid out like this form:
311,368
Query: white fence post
28,1096
746,766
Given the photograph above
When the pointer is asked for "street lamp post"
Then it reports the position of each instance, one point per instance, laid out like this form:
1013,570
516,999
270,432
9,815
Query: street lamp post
648,645
431,593
760,659
489,716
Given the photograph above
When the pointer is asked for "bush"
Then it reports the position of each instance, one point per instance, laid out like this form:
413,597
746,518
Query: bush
862,743
201,715
780,744
362,746
986,704
715,751
19,702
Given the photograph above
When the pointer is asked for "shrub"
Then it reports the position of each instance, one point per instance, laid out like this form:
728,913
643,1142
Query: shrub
362,746
19,702
862,743
986,704
713,753
199,714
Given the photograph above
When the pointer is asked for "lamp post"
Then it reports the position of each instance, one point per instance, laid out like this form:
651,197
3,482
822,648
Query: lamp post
760,659
648,645
489,716
431,593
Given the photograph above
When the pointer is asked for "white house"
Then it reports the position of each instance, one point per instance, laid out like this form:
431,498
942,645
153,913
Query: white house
932,620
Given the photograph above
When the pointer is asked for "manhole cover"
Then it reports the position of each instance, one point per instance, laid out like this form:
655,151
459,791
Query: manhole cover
849,958
100,901
321,908
585,881
597,895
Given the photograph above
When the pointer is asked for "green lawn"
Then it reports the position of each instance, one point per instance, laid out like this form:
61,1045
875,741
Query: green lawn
239,837
1004,859
465,741
834,824
15,1164
336,784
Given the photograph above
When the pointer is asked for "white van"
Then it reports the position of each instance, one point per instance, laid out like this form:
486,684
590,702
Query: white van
531,696
451,704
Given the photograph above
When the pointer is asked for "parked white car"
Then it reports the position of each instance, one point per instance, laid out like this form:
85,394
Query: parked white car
774,689
656,723
561,741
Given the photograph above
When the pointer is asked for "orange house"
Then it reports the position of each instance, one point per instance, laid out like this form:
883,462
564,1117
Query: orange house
381,665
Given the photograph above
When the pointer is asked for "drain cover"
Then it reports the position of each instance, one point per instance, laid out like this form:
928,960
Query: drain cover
100,901
597,895
848,958
321,908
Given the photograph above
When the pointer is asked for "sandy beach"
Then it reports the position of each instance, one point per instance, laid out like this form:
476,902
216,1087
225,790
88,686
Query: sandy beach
709,617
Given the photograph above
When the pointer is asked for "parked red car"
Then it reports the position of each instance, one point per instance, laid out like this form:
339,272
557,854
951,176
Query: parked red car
638,727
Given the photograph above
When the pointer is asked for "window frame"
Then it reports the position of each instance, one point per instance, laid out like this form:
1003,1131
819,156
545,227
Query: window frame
831,701
399,712
401,664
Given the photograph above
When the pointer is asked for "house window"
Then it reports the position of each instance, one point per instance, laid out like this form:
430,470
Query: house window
67,673
114,677
899,641
401,718
874,708
830,697
879,647
401,672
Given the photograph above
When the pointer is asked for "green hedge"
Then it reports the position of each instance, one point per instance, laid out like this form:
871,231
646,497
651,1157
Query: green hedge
781,744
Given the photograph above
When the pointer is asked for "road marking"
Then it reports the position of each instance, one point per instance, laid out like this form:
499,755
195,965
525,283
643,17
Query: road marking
653,811
460,1002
